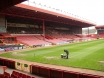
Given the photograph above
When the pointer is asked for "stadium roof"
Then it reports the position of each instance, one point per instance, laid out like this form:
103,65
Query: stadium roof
99,26
26,11
7,3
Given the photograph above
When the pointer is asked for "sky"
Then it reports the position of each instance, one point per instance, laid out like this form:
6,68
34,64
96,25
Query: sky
90,9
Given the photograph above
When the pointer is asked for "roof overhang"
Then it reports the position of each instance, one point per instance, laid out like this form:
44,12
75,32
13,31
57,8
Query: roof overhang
26,11
8,3
99,26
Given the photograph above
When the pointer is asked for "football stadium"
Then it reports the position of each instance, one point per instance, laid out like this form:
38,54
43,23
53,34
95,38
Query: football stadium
36,42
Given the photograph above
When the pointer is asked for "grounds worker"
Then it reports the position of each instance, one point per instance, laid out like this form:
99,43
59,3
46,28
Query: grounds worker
67,53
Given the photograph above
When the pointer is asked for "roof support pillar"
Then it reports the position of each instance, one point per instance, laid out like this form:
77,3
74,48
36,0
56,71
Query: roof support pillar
88,30
43,27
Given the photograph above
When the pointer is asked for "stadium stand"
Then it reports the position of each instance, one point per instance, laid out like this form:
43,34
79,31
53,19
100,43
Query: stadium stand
32,40
101,35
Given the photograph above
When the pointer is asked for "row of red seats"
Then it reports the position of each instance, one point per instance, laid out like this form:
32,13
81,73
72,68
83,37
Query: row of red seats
15,74
58,73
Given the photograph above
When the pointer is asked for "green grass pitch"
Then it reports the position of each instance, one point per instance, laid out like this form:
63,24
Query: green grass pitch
81,55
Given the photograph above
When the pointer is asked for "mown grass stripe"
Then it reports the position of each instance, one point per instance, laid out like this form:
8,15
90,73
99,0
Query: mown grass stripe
84,52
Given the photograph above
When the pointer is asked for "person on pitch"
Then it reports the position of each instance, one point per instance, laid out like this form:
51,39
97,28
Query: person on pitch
67,53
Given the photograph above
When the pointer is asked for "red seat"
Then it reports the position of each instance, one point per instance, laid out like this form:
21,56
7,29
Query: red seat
28,76
12,75
24,76
14,72
20,75
6,74
1,75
